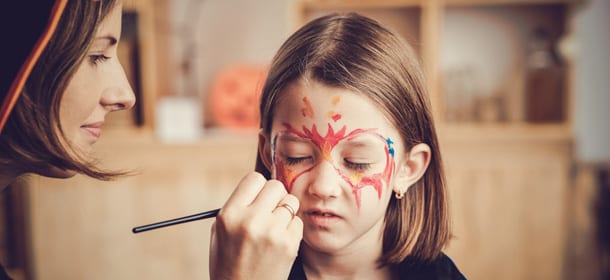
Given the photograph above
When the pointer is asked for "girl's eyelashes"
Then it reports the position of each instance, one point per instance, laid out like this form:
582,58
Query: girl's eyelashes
95,59
357,166
296,160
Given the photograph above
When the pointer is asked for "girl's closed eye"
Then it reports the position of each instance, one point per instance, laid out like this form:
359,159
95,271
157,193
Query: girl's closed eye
357,165
297,160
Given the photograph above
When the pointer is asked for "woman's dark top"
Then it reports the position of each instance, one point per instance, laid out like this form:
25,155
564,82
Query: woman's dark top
442,268
3,274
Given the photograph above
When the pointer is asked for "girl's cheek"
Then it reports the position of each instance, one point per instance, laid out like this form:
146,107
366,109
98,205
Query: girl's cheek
284,175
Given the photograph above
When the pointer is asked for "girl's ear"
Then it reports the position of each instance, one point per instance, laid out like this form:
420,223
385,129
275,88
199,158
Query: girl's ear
412,168
264,150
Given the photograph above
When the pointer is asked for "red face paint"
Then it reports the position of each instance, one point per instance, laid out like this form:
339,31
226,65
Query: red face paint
326,143
335,117
332,114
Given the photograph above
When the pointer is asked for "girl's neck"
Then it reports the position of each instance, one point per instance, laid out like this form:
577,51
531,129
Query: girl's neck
348,266
357,261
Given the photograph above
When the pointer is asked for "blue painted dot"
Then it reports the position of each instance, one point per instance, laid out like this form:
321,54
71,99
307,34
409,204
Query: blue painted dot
390,148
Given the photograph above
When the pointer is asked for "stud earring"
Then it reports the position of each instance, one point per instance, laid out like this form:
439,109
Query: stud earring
399,195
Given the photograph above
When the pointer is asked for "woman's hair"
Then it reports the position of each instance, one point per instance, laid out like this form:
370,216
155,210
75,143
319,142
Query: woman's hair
32,139
355,52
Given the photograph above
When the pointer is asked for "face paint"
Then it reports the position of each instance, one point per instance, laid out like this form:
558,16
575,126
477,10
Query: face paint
308,110
357,179
334,116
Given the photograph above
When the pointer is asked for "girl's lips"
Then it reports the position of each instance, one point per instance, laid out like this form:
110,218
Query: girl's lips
321,218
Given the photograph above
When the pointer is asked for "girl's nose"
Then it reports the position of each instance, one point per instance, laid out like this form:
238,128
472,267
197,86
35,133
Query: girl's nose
326,182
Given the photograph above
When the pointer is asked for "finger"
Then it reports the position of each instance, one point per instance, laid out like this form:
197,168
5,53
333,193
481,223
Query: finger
246,191
269,197
287,209
295,231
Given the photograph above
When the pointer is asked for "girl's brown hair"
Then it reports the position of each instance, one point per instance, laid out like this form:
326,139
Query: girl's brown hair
32,139
355,52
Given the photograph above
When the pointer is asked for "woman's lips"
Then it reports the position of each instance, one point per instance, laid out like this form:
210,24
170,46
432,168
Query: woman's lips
94,129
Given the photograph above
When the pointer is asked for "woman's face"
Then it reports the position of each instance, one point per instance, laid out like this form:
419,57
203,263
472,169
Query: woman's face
336,152
98,87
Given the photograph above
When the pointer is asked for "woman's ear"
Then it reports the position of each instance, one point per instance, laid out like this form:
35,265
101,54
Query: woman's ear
412,168
264,149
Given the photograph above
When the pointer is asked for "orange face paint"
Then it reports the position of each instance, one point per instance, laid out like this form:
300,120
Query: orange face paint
308,110
336,100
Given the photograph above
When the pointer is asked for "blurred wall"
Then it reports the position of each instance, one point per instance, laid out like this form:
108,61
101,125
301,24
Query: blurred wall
210,35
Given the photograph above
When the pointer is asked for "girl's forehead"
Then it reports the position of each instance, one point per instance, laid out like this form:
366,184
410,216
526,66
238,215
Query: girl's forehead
308,104
300,93
317,102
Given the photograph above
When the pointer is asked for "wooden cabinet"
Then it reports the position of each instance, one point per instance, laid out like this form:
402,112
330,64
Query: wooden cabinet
81,227
487,62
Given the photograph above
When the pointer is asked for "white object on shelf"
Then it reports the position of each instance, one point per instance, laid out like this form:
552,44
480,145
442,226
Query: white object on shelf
178,119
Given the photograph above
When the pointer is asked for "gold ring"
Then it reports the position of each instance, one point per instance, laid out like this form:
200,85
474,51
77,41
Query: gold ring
289,208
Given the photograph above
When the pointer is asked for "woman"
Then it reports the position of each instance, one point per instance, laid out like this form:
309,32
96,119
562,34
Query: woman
60,78
59,108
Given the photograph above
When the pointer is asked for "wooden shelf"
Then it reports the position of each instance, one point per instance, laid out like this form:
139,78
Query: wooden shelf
421,23
506,132
506,2
324,4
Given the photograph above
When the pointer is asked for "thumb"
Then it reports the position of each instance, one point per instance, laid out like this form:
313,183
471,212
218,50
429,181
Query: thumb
212,252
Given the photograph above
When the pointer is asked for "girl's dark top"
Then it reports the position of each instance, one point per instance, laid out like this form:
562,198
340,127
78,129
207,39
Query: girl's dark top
442,268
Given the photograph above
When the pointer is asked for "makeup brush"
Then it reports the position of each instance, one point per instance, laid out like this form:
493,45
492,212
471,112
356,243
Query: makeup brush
186,219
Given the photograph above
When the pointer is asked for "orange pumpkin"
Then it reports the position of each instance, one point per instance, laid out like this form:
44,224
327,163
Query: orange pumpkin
233,99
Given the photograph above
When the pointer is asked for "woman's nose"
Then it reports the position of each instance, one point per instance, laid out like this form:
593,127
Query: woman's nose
326,182
118,95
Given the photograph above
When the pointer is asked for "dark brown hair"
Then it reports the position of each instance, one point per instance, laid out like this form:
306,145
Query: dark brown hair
32,139
355,52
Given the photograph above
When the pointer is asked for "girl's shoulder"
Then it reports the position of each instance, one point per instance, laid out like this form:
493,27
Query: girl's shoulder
442,268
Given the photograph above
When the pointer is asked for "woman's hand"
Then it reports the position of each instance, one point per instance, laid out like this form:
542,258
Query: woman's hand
254,236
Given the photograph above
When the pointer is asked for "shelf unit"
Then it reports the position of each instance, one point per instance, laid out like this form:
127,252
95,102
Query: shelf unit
424,25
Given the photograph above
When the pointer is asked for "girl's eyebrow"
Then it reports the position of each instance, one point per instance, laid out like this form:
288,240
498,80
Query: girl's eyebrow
292,138
365,140
362,144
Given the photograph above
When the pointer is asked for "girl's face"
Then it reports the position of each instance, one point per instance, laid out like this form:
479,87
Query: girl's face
336,152
98,87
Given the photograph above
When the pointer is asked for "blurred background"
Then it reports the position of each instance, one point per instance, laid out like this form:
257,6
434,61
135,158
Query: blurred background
519,89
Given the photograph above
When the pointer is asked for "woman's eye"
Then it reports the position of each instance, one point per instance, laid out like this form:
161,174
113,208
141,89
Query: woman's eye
357,165
97,58
296,160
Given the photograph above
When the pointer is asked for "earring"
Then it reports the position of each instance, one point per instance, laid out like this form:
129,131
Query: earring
399,195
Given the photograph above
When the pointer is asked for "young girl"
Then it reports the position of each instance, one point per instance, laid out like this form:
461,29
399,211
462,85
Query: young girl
346,127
